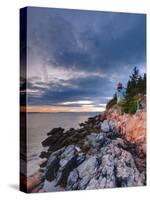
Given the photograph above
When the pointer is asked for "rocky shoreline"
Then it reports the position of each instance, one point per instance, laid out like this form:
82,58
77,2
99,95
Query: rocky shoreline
96,155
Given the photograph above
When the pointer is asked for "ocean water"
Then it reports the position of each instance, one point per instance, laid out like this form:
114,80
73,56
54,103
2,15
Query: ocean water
38,124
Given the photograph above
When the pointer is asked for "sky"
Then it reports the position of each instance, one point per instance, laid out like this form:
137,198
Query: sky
75,58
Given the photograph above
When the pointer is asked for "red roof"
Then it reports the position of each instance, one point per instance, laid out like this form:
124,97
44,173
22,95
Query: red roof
119,85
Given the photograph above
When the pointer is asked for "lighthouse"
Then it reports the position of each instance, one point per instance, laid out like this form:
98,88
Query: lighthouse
120,92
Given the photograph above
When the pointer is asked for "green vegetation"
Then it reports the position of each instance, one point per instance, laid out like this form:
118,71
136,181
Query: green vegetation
112,102
136,87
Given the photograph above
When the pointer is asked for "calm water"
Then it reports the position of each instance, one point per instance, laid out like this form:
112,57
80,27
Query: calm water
39,124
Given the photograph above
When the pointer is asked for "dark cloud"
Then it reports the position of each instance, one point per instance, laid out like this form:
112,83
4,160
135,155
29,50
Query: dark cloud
92,88
104,42
118,39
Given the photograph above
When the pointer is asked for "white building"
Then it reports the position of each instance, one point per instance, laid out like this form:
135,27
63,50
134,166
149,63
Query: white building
121,91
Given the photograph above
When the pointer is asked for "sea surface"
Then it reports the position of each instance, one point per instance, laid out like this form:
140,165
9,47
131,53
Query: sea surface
38,124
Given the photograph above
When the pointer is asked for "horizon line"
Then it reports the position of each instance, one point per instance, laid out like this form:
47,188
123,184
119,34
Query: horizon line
63,112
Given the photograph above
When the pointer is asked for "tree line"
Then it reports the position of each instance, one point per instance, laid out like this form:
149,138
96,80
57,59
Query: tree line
136,87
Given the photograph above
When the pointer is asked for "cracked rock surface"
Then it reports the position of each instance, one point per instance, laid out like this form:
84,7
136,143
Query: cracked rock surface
94,156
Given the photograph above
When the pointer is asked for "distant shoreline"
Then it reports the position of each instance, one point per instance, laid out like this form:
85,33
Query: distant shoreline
98,112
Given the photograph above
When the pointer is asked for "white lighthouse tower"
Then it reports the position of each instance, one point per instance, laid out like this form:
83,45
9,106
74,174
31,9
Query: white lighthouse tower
120,92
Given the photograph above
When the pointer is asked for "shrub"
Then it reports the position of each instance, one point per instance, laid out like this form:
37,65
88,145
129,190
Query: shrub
112,102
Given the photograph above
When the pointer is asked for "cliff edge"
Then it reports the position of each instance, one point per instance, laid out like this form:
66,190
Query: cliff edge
108,150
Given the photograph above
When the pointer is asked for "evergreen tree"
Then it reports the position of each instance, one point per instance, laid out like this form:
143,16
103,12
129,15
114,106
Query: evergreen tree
132,86
135,75
136,86
112,102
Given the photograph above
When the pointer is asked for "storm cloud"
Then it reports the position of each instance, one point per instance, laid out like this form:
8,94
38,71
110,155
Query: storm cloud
81,55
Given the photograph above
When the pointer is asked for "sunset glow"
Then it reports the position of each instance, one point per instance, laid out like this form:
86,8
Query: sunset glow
61,109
